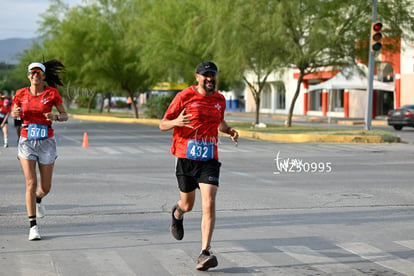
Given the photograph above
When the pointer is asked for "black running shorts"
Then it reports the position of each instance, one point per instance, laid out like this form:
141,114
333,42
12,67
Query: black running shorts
189,173
18,122
3,119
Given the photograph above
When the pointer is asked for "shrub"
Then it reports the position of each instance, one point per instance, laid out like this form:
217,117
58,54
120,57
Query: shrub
156,106
83,101
121,104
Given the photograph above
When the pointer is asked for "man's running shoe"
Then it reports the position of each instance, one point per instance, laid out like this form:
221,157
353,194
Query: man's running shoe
176,227
206,260
40,210
34,234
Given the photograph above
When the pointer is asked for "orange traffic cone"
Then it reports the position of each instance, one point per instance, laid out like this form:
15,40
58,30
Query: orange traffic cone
85,143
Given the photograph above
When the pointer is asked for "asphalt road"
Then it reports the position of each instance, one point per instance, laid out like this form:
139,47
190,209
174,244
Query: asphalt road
282,209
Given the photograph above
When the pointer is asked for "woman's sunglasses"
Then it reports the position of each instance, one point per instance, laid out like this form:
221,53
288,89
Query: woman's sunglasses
36,71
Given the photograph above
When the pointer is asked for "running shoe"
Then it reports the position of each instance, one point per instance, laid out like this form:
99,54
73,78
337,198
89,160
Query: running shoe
176,227
34,234
40,210
6,145
206,260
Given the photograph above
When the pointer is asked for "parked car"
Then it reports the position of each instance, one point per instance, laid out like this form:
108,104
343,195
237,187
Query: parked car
401,117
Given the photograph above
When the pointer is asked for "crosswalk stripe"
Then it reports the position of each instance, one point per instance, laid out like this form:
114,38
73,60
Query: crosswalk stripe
133,150
107,150
175,261
125,149
250,261
97,150
380,257
239,149
225,150
37,265
232,148
407,243
251,176
109,263
154,149
317,260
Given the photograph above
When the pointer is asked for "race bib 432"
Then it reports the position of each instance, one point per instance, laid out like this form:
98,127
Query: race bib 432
200,150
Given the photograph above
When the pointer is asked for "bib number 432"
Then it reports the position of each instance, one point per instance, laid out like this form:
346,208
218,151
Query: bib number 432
200,150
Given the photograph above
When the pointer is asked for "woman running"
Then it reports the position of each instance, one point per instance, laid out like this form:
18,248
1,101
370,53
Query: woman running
37,144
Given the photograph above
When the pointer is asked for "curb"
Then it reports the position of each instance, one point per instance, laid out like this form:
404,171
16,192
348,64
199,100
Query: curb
317,138
115,119
284,138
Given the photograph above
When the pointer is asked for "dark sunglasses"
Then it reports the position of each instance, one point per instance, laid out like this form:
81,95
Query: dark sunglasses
36,71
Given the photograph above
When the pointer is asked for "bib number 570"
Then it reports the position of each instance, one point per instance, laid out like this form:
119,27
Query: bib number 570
37,132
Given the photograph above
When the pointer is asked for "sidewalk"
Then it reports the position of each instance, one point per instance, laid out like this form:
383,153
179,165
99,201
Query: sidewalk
274,137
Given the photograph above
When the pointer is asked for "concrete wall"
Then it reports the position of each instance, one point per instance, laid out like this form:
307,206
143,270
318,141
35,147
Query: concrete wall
357,103
407,89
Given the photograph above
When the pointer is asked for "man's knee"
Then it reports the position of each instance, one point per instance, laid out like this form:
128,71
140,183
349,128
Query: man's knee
209,204
186,206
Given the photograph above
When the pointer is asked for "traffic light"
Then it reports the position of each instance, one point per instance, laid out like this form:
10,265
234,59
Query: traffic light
376,36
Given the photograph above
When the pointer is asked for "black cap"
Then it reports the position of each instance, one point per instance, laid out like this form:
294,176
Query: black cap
206,66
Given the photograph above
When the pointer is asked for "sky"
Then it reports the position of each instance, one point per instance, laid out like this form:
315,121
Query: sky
20,18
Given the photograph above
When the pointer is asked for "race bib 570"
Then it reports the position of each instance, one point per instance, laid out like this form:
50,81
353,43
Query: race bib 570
200,150
37,131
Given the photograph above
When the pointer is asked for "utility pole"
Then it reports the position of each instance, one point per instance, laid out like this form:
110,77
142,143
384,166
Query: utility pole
371,64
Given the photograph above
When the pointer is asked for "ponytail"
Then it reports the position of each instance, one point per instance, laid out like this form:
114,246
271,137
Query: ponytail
53,69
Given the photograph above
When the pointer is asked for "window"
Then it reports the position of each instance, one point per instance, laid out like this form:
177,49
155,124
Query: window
266,99
280,96
315,100
337,100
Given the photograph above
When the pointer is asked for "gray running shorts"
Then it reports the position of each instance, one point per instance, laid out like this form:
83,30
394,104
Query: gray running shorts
43,151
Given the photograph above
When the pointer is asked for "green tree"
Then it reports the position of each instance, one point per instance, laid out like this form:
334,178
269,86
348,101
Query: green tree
172,32
95,43
178,35
245,43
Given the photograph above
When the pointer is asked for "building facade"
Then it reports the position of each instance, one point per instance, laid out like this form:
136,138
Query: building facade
392,67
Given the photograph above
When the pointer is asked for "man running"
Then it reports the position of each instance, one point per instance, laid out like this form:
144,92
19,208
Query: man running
196,115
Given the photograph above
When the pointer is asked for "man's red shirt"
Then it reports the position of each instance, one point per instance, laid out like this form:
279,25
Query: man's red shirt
207,112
